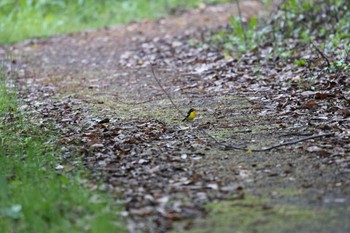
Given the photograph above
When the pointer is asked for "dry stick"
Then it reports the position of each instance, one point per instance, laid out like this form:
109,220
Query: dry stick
295,134
321,53
230,147
221,143
166,93
136,103
240,20
347,55
272,21
293,142
317,49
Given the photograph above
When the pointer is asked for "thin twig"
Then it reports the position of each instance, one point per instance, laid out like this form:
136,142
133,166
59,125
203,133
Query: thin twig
275,11
347,55
272,21
295,134
231,147
166,93
136,103
240,20
321,53
293,142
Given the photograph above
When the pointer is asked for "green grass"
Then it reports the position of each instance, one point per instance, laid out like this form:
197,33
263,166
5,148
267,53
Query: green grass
34,197
23,19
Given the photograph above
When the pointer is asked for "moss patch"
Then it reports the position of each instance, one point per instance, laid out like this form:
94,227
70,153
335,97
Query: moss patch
254,214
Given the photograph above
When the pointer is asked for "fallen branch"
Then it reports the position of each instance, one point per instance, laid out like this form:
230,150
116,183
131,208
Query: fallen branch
295,134
293,142
321,53
347,55
227,147
231,147
166,93
136,103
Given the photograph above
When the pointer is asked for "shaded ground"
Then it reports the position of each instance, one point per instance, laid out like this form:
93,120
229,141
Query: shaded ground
98,90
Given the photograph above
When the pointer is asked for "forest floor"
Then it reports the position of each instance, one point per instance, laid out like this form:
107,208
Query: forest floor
215,174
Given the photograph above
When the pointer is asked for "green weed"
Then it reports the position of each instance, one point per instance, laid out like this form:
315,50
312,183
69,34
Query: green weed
34,196
297,24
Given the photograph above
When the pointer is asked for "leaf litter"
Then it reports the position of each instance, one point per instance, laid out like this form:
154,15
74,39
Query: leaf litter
115,117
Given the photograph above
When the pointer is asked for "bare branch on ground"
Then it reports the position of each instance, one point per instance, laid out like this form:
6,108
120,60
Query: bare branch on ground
321,53
232,147
166,93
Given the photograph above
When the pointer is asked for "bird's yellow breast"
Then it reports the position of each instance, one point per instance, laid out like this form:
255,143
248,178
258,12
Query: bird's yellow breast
192,115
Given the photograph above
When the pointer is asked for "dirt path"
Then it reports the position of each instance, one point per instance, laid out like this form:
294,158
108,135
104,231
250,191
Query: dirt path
97,87
100,51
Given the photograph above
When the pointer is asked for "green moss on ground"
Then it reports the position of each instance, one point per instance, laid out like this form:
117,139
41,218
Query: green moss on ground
256,214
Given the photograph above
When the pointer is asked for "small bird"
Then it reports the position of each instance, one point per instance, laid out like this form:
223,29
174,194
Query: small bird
190,115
